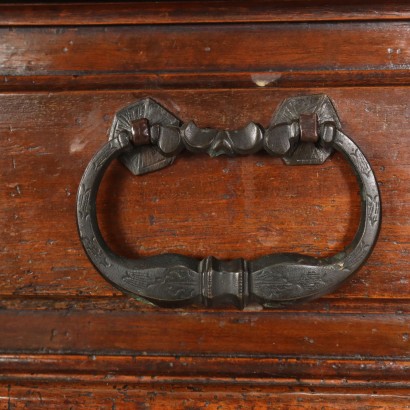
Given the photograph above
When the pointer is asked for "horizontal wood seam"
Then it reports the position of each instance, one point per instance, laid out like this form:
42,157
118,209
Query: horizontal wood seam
95,304
198,12
322,372
205,80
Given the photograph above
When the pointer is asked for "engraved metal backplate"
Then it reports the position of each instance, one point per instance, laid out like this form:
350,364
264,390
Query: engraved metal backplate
145,158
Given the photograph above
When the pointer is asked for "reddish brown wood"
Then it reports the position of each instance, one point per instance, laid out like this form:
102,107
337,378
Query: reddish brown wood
146,81
131,396
171,12
263,51
214,333
301,371
332,303
67,338
50,137
181,56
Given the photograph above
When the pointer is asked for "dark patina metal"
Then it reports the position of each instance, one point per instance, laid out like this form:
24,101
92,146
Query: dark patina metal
146,137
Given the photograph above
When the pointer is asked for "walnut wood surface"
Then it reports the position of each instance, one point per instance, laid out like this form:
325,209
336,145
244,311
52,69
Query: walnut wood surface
244,334
298,372
227,207
67,338
129,396
265,52
172,12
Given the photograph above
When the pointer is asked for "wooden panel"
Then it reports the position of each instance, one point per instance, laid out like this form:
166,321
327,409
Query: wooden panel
81,50
294,372
360,50
215,333
150,382
48,139
171,12
192,396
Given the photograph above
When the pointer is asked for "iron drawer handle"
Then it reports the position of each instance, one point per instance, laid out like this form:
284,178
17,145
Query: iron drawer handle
146,137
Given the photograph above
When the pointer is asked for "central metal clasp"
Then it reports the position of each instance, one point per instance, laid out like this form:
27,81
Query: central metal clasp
224,282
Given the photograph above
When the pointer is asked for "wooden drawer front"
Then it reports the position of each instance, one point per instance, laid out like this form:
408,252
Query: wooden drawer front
66,331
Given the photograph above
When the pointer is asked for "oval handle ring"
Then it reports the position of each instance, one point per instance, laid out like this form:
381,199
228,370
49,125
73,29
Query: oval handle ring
152,140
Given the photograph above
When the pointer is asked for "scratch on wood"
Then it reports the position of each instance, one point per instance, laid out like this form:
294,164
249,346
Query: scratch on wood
53,334
78,145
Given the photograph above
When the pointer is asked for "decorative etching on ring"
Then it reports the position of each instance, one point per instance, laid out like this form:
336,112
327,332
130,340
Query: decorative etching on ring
146,137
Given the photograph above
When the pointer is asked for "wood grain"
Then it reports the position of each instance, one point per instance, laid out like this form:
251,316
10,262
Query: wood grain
295,372
214,333
216,80
171,12
192,396
263,51
67,338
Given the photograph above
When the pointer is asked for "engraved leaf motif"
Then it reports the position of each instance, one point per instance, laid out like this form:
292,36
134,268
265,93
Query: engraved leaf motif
373,208
287,284
135,279
311,280
83,200
361,162
95,252
177,283
270,285
357,255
